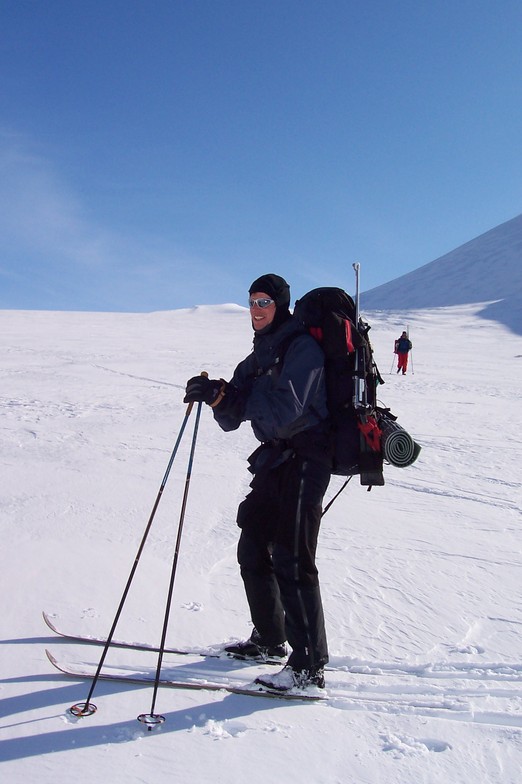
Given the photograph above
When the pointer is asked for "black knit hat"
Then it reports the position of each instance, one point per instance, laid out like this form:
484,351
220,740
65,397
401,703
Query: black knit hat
276,287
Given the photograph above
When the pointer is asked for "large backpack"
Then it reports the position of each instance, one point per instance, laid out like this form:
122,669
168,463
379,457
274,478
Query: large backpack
352,378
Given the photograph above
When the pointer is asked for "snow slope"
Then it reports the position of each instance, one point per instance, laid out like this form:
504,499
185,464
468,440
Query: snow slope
486,269
421,579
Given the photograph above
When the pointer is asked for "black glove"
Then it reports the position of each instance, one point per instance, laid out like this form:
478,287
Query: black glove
201,389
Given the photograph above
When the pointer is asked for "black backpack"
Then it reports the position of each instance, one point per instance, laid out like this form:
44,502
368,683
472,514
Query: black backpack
352,378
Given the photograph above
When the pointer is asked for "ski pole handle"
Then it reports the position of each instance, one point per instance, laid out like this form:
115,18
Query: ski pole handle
191,404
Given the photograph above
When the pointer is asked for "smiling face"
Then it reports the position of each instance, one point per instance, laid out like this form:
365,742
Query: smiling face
261,317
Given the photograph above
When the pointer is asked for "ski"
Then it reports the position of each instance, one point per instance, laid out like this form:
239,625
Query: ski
136,646
251,690
431,670
209,653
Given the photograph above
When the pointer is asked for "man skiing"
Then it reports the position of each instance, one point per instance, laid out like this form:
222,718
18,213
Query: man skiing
284,398
403,346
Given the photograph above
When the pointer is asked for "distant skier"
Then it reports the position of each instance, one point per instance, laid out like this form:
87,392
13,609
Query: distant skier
403,346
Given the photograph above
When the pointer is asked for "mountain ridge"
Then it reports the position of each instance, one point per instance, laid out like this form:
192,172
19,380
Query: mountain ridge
486,269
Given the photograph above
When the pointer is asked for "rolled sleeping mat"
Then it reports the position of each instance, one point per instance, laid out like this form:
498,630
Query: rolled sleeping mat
398,447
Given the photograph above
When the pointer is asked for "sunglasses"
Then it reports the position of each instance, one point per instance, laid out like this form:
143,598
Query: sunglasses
261,302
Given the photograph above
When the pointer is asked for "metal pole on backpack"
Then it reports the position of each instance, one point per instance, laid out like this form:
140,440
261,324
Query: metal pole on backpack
359,397
357,267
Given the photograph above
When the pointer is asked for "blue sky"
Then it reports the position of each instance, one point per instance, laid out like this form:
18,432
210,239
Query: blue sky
158,154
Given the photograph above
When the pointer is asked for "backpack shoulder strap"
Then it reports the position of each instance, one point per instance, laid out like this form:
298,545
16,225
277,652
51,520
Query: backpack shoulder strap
283,347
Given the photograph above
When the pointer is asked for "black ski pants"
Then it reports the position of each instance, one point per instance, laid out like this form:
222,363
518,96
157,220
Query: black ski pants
279,521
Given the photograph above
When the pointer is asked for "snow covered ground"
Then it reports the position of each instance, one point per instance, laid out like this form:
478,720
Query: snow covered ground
421,579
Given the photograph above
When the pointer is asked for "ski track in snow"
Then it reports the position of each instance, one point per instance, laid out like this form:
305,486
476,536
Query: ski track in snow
476,693
473,692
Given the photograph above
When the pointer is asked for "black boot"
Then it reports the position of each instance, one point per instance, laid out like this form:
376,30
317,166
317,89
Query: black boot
253,649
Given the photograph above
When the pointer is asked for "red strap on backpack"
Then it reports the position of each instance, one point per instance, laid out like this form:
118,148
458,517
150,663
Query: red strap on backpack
372,433
348,333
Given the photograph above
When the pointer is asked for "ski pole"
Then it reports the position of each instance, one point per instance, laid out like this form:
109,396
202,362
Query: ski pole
411,351
392,364
87,708
338,493
152,719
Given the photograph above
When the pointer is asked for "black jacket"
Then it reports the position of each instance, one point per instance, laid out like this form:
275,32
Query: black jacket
281,399
402,345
